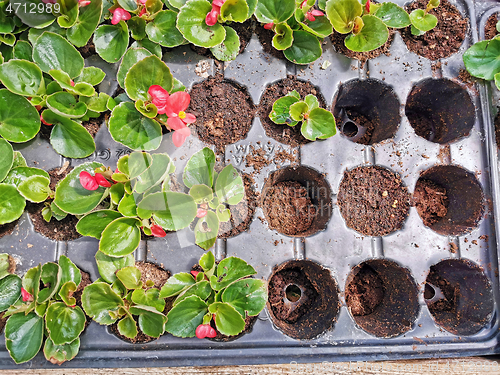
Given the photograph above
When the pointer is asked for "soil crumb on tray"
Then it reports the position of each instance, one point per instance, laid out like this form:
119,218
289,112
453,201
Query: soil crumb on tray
257,159
442,41
289,135
64,230
224,111
288,208
373,200
338,43
287,304
431,201
365,292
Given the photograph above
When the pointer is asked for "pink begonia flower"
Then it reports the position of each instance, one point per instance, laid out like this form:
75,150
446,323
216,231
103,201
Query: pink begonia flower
142,12
49,1
101,180
88,181
157,231
312,13
27,297
83,3
213,15
205,330
119,14
176,105
180,135
143,2
159,97
201,213
269,26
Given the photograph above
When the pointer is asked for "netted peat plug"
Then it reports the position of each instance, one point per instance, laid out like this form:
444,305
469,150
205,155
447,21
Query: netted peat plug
303,299
459,296
297,201
449,199
373,200
382,297
440,110
367,112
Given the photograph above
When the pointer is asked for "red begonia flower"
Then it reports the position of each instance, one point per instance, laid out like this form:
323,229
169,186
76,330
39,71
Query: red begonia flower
27,297
212,16
101,180
159,97
142,12
177,103
118,15
195,273
205,330
201,213
88,181
180,136
269,26
83,3
367,6
157,231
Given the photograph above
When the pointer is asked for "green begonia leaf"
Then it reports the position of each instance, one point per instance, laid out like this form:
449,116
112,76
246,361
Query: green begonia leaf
229,186
95,222
88,19
130,277
108,266
69,272
64,323
10,291
11,204
121,237
342,13
6,158
176,284
23,50
131,57
58,354
163,30
206,230
247,295
373,35
19,120
137,27
149,297
35,188
22,77
423,21
283,38
229,270
305,48
393,15
98,300
64,104
199,169
128,327
274,11
91,75
280,113
111,41
172,211
24,336
50,276
482,59
186,316
201,289
228,321
39,20
145,73
234,10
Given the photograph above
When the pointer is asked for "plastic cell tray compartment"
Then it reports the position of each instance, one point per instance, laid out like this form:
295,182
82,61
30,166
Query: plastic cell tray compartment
337,248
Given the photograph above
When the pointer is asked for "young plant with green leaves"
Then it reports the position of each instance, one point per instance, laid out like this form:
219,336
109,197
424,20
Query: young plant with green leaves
120,296
56,80
19,183
422,21
153,98
47,309
299,28
482,59
317,123
367,23
222,296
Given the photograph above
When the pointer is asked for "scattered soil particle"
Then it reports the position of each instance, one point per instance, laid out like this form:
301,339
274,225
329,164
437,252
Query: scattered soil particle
241,214
444,154
87,50
223,110
284,133
365,292
442,41
490,29
465,77
453,247
474,242
373,200
266,40
281,157
64,230
484,237
338,43
431,201
361,134
288,208
244,31
8,228
284,308
257,159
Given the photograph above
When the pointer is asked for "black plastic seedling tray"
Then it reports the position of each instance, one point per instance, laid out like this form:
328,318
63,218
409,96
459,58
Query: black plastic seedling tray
337,248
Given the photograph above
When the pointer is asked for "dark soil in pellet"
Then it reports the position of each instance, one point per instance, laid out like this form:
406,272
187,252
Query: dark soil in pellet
266,40
149,271
282,307
288,208
365,292
363,134
64,230
3,321
8,228
78,293
241,214
338,43
284,133
373,200
450,292
490,29
431,201
244,31
87,50
442,41
497,129
223,110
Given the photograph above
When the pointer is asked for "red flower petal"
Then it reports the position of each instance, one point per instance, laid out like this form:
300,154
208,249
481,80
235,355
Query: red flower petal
367,6
310,17
175,123
27,297
189,119
120,14
201,213
180,136
158,94
195,273
161,109
88,181
218,3
178,101
317,13
269,26
212,16
157,231
205,330
83,3
143,11
101,180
